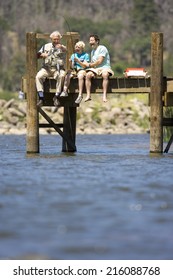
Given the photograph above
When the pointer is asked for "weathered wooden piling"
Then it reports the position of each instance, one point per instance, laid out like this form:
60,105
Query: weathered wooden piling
32,137
157,91
69,130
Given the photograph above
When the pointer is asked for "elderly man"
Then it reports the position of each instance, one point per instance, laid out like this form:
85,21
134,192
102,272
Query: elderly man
99,66
53,55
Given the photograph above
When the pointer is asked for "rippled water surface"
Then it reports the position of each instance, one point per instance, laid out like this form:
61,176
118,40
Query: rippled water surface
111,199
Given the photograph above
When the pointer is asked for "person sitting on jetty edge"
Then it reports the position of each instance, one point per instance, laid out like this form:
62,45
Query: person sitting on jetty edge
99,66
77,60
53,55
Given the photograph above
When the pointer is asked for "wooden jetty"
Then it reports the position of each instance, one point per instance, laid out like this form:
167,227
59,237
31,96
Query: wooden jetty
156,87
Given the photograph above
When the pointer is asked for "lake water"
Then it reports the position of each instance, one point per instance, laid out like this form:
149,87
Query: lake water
111,199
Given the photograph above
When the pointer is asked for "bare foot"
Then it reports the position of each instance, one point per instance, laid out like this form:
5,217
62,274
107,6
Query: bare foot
105,99
87,99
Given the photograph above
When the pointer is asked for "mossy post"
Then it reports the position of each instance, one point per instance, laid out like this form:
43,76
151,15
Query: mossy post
156,103
32,139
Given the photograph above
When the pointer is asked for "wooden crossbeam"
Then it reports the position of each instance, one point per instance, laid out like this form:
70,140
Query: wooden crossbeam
116,85
64,36
46,125
167,122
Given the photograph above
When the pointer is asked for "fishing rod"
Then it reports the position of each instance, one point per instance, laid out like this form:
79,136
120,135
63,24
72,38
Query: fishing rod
68,26
71,37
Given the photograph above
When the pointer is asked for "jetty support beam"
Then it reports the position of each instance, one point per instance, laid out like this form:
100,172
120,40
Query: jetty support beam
69,129
157,88
32,138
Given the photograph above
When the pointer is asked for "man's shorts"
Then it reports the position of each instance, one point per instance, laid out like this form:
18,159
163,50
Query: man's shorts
99,71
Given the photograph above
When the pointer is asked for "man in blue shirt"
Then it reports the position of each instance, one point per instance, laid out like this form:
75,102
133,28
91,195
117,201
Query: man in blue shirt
99,66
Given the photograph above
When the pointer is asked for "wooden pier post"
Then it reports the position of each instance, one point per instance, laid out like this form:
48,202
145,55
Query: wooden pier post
32,138
71,39
156,103
69,129
70,113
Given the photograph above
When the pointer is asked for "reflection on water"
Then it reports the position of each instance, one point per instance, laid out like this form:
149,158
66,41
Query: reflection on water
109,200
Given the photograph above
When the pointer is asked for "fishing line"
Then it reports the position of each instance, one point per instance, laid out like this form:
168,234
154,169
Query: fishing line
71,37
69,29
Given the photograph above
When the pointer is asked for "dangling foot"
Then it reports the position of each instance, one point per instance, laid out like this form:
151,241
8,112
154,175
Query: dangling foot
56,101
105,99
87,99
57,94
64,94
40,103
79,99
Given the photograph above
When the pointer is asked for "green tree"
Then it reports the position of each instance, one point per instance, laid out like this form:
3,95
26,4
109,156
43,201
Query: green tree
144,19
4,26
12,76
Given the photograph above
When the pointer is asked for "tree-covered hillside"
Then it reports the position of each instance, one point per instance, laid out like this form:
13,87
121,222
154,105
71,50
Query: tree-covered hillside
124,27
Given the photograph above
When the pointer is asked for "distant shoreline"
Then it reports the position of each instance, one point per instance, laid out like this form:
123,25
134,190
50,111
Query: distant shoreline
92,118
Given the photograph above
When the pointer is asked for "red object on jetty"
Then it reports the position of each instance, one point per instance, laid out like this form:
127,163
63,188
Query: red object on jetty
135,72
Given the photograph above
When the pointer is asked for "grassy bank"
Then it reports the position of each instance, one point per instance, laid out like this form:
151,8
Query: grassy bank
7,95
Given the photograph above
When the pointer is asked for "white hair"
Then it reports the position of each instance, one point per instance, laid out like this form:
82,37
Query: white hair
55,34
80,44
